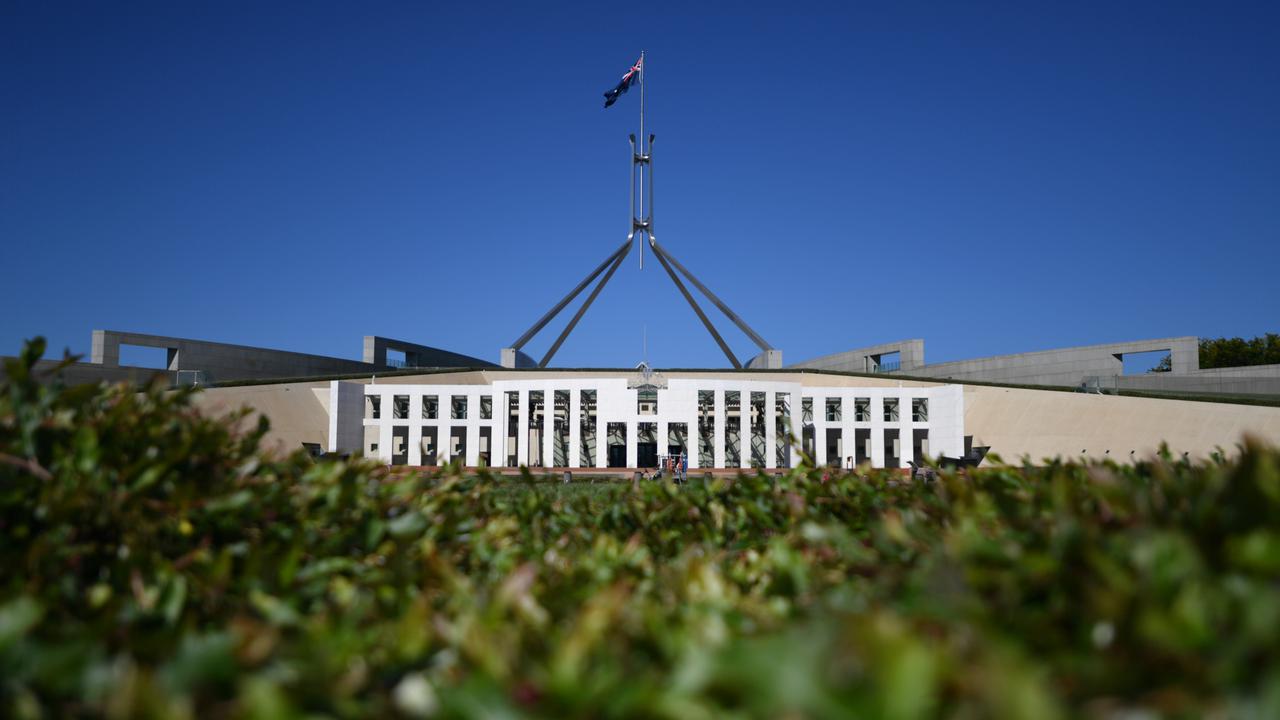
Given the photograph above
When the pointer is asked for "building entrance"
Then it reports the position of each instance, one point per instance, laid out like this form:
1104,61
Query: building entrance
617,456
647,454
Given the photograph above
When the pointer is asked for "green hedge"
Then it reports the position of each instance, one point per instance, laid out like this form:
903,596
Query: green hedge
155,563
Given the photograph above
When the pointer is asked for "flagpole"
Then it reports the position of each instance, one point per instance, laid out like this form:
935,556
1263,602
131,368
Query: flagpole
644,172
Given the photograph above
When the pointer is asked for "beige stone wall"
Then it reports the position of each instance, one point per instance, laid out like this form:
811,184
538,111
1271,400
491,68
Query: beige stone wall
298,412
1041,424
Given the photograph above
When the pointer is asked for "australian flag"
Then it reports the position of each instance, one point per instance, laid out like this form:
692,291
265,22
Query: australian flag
631,78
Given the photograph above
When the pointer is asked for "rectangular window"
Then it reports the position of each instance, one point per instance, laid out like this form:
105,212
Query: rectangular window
891,410
458,407
486,407
647,401
647,445
806,410
758,448
430,407
732,428
706,428
782,429
834,409
560,429
862,409
677,439
400,407
920,410
616,437
372,407
429,440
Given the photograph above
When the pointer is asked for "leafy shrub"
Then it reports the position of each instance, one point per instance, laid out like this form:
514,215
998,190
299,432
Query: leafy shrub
156,563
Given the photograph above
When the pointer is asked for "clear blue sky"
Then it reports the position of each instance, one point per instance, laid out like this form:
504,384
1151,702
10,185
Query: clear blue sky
991,177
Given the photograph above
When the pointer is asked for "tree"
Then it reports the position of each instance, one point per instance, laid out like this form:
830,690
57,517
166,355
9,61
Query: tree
1238,352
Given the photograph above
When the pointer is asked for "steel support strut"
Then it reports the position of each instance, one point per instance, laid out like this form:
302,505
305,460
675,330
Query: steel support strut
661,252
706,322
569,298
617,262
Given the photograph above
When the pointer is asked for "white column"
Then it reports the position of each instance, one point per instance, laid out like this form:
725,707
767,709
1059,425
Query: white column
877,431
744,429
522,432
415,428
473,429
770,429
718,450
575,428
847,415
664,437
820,430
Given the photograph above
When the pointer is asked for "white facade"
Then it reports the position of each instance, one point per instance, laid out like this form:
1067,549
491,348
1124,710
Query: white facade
765,413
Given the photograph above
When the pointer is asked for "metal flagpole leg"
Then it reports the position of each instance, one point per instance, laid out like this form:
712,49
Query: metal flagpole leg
724,347
583,310
755,337
569,298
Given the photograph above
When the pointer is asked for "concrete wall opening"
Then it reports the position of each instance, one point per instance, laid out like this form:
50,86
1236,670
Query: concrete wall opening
430,407
395,358
155,358
884,362
1144,362
400,407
